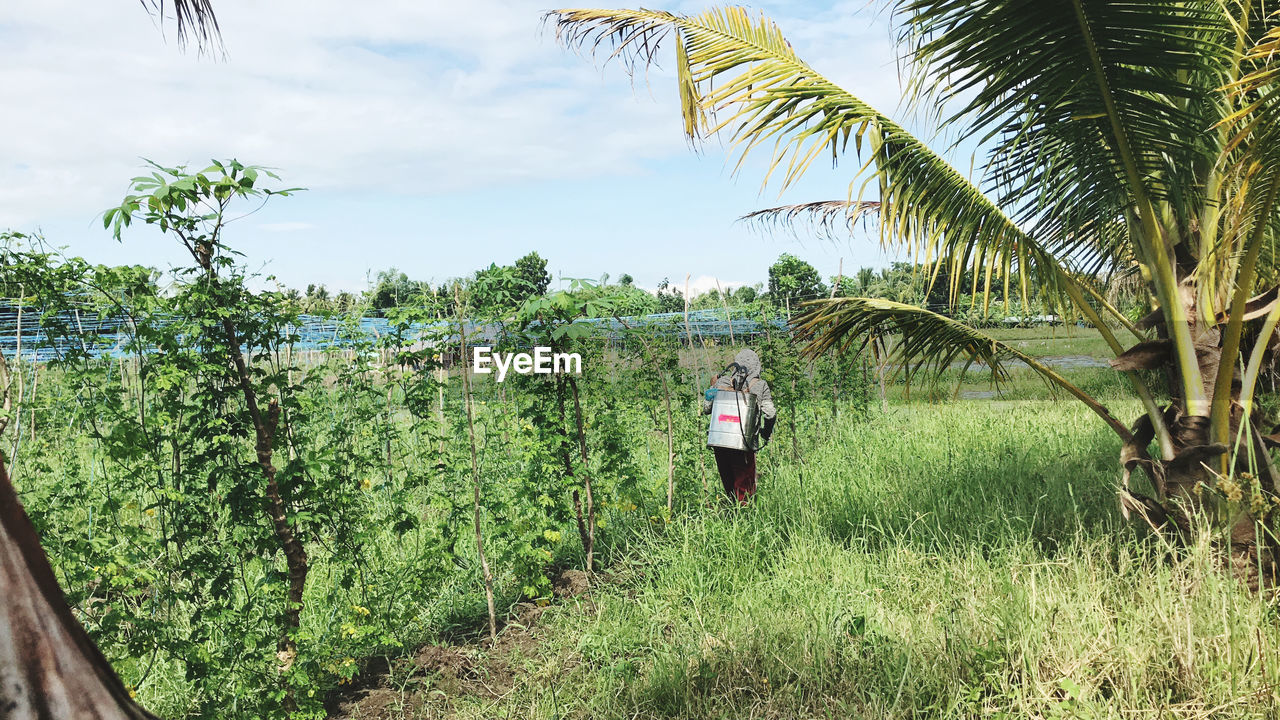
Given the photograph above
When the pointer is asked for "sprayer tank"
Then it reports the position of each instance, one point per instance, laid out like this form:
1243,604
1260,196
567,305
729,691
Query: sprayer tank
733,421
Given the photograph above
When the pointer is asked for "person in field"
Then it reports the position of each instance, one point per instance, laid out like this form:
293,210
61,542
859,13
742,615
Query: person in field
738,466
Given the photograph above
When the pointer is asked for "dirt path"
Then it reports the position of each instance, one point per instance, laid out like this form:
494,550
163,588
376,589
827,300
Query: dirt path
431,682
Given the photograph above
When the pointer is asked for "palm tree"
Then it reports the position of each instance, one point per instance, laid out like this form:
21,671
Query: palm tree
1122,137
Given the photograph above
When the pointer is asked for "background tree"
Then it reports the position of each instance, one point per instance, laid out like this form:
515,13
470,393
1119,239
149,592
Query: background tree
747,294
669,299
393,288
792,281
532,271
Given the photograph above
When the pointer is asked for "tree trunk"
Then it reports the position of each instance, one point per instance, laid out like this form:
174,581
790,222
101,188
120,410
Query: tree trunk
295,555
49,668
1204,486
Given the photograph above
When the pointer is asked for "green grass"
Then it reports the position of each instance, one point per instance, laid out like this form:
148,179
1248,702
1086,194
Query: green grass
956,561
1056,341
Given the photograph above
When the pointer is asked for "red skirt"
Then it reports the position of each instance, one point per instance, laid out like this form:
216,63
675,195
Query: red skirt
737,473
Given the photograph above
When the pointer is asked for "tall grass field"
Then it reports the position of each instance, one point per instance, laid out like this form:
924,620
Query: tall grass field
955,561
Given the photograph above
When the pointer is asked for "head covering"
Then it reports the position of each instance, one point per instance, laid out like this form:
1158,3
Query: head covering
750,360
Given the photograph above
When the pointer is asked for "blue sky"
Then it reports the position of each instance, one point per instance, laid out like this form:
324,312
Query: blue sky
433,137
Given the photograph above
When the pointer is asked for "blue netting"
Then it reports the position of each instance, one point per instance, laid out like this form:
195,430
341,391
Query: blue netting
46,337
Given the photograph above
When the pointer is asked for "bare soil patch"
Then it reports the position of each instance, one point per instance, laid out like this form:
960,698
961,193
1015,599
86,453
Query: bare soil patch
427,683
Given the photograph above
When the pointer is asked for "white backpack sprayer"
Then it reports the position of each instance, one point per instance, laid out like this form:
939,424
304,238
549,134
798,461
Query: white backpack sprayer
735,419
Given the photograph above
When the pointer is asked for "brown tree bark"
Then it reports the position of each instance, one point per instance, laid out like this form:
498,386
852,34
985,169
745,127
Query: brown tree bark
1188,487
295,554
49,668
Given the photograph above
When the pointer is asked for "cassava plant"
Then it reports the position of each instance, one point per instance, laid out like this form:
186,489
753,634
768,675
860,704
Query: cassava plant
554,321
194,208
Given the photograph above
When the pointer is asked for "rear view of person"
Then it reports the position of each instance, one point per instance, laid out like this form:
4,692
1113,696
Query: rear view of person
743,416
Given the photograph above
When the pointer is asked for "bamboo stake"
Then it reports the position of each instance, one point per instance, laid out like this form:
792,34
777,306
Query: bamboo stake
671,453
725,302
475,467
22,384
6,383
836,377
586,479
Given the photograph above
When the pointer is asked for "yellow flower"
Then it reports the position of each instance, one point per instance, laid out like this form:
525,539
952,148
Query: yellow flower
360,610
365,484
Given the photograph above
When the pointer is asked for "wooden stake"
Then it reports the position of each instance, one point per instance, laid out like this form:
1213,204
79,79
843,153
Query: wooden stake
475,466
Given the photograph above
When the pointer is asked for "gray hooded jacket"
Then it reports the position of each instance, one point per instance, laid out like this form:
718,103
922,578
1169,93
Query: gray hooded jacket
755,385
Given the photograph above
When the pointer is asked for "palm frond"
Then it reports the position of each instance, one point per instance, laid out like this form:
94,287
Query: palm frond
742,77
1260,88
1098,110
1090,101
194,19
829,218
1256,126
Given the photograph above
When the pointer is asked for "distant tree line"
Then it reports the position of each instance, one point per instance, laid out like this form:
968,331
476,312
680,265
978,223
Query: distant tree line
501,289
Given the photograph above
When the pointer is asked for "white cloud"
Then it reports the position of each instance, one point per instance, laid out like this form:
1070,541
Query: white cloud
378,108
701,284
408,97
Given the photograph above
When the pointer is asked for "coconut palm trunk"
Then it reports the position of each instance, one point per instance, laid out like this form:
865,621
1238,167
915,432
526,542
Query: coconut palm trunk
1119,139
49,668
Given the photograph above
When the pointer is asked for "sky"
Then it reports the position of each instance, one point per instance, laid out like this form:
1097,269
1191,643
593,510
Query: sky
433,137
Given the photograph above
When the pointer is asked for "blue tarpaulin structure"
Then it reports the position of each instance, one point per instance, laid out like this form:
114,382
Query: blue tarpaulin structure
45,338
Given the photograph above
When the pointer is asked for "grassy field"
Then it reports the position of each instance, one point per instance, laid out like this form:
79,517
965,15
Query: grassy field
1079,353
1054,341
955,559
